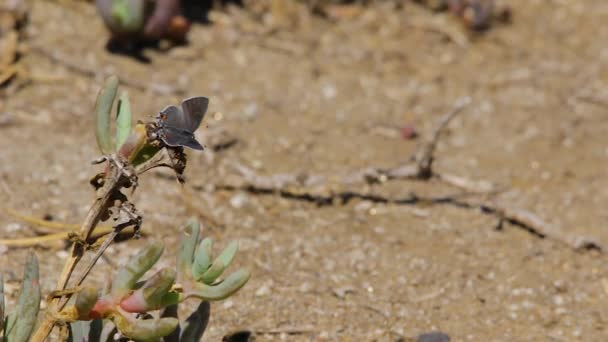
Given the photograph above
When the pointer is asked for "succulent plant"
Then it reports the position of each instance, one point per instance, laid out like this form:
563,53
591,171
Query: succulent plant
126,298
133,20
135,308
129,142
18,325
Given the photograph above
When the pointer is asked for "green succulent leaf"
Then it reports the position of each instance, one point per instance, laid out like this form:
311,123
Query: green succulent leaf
229,253
89,331
187,247
171,311
222,290
153,293
103,111
124,119
29,303
129,274
85,301
216,270
155,289
144,330
10,323
129,14
202,259
219,264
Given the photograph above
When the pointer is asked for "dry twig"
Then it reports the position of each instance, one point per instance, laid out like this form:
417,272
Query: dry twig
321,189
116,176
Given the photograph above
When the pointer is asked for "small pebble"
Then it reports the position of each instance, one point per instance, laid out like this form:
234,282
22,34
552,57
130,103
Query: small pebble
263,291
329,91
239,200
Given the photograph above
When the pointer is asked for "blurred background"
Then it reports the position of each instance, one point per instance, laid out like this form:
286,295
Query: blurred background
308,88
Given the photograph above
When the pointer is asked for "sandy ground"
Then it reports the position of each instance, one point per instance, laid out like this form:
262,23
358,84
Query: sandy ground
324,97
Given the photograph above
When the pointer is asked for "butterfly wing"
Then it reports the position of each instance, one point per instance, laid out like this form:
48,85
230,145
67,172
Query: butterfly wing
192,112
179,137
172,116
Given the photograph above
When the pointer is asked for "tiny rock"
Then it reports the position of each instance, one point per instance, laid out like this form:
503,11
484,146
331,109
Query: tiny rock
239,200
264,290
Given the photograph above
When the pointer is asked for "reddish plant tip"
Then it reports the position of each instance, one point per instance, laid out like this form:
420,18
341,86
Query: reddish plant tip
101,308
134,303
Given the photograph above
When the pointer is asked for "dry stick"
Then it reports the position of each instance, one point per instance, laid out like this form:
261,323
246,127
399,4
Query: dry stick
419,168
36,240
103,248
540,227
41,222
113,182
298,186
425,156
525,219
134,220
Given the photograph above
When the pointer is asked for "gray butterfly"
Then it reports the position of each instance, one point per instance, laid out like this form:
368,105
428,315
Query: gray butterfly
176,125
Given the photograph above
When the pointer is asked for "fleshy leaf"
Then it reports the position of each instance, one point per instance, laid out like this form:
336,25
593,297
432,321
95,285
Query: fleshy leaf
222,290
29,303
85,300
228,253
144,329
130,273
124,119
89,331
136,148
129,14
103,111
150,296
10,323
196,324
171,311
216,270
202,259
122,16
187,247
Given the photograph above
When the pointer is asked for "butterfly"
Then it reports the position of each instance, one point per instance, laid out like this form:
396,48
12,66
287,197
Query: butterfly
176,125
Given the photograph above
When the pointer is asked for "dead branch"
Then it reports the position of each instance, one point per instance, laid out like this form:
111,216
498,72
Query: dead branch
419,168
323,190
425,155
543,229
118,174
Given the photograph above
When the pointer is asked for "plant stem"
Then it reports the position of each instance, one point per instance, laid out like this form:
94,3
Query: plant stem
113,181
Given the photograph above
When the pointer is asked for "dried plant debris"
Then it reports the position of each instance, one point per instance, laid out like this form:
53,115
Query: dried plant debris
341,189
13,17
